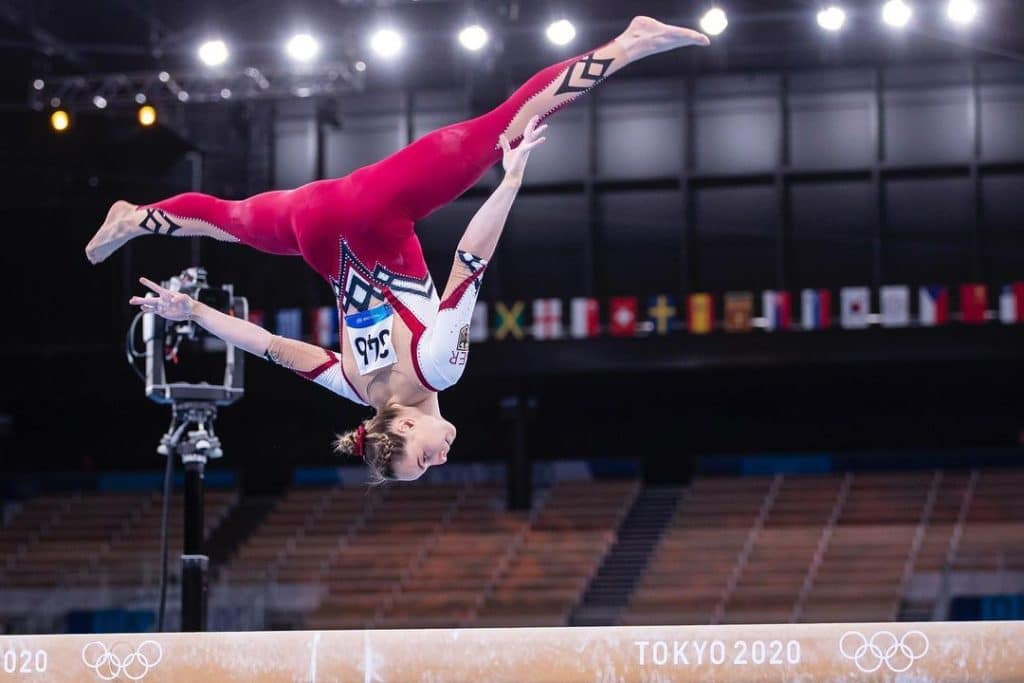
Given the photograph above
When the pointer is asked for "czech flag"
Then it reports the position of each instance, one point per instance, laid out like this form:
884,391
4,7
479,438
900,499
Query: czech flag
934,305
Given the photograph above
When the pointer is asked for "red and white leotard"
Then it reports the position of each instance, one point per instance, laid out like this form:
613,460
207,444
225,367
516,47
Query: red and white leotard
358,231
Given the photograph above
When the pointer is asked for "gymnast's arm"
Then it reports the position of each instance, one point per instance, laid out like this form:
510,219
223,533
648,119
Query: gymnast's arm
484,230
444,349
312,362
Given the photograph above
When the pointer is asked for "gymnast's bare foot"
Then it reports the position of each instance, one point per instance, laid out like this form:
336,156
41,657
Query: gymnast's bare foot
117,229
645,37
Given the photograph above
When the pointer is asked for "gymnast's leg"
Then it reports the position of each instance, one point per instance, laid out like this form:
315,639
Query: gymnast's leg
440,166
263,221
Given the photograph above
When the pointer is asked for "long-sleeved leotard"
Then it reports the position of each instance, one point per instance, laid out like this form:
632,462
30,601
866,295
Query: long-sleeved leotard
358,231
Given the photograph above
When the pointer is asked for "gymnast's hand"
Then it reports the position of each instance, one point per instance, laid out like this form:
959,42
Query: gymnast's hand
167,304
515,159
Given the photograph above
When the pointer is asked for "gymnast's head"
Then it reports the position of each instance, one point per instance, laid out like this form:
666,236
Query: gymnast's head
400,443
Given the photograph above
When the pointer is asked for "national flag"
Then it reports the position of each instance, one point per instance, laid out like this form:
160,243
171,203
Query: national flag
816,309
739,312
586,318
662,311
701,308
510,320
547,319
777,310
257,316
478,327
895,301
973,303
325,326
856,305
1011,303
289,323
933,302
622,316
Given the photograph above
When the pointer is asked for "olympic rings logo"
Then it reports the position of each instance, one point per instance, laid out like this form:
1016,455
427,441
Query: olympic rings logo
898,654
121,660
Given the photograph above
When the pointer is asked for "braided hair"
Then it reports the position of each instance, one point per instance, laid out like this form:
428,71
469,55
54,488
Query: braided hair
376,443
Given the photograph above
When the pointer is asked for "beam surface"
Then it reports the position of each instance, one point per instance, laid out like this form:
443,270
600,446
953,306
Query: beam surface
926,652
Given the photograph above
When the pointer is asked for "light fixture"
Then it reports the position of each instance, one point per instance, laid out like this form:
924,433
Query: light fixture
164,76
225,93
386,42
302,47
140,98
59,120
473,37
561,32
39,84
897,13
832,18
183,96
213,52
714,21
360,65
147,115
99,101
962,11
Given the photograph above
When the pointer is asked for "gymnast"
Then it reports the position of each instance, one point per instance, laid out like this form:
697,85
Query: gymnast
401,343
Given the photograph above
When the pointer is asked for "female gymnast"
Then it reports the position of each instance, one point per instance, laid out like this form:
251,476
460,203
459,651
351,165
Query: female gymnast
401,343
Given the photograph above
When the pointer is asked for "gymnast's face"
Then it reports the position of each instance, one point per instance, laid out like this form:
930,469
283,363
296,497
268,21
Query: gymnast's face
427,440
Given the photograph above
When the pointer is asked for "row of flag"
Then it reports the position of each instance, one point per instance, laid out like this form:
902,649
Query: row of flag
629,316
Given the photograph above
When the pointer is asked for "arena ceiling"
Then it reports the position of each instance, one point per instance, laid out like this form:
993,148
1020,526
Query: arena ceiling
60,37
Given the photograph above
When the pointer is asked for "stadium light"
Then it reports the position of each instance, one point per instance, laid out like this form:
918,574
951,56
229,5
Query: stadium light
39,84
561,32
302,47
59,120
140,98
962,12
714,21
897,13
386,42
213,52
832,18
473,37
99,101
147,115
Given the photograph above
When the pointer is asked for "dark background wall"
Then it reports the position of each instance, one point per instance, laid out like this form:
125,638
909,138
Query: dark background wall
664,181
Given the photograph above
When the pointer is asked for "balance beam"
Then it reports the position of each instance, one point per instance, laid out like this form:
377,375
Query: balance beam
927,652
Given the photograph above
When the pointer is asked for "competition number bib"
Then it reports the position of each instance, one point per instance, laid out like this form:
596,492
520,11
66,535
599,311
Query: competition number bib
369,335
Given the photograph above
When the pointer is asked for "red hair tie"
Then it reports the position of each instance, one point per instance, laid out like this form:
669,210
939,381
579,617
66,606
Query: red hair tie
361,441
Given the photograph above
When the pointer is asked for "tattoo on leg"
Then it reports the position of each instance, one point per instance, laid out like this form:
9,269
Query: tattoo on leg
152,222
591,73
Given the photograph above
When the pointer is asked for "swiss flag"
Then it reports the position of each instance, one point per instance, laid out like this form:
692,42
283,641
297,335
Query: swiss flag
622,318
973,303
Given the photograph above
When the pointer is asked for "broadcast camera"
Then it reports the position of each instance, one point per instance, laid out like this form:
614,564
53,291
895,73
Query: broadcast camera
167,342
